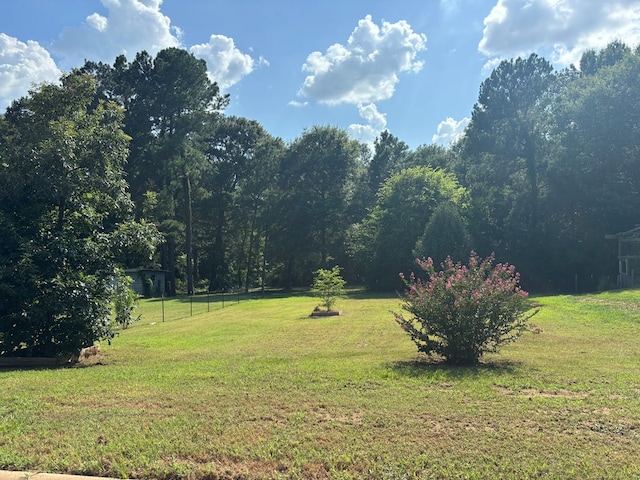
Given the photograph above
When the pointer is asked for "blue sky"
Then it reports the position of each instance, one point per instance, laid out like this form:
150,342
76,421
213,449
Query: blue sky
412,67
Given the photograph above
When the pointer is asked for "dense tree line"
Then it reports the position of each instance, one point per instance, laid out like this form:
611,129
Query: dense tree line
118,158
551,162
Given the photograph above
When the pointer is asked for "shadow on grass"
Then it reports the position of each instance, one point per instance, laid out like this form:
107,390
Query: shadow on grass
230,297
429,366
360,293
60,366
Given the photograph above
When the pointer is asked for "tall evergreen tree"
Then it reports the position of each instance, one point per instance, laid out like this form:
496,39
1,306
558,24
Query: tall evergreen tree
169,100
499,159
594,173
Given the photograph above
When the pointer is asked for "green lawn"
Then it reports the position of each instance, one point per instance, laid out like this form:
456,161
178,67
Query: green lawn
260,390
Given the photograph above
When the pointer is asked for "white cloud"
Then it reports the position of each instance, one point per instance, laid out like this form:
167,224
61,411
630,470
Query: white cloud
563,28
491,65
366,69
450,130
98,22
295,103
129,27
374,118
21,66
226,64
376,123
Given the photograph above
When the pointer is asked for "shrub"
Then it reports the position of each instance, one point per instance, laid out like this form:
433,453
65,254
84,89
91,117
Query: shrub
464,311
124,301
328,285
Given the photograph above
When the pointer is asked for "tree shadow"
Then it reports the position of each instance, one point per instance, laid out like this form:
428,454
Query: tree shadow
360,293
430,366
61,366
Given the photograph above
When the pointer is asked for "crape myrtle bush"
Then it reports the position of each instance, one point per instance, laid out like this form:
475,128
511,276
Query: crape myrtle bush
464,311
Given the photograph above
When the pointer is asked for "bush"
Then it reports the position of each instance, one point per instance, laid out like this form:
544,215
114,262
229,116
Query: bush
464,311
124,301
328,285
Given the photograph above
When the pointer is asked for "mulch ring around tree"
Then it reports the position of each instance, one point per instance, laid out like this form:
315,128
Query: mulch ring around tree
326,313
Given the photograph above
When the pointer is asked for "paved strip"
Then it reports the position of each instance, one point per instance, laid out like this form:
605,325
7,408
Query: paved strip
5,475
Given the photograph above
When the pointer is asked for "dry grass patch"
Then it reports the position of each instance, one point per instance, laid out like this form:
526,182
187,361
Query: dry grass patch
534,392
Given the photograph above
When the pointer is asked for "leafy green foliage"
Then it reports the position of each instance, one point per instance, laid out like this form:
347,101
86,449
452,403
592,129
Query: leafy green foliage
405,203
594,173
464,311
389,158
244,160
65,152
545,169
329,286
124,300
315,180
170,102
444,236
500,159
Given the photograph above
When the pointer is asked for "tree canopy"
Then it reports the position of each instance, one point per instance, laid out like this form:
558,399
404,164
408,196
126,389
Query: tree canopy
115,158
65,208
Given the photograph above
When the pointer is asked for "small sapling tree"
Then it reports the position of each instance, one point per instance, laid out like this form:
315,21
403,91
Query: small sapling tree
464,311
329,286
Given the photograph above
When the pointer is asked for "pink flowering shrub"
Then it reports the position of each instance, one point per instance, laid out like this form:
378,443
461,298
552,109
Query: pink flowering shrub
464,311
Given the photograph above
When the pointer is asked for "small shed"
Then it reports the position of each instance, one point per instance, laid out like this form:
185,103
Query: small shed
628,257
148,281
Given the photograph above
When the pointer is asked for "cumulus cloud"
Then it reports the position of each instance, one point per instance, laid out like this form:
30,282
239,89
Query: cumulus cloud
376,123
450,131
225,63
491,65
564,28
366,69
129,27
21,66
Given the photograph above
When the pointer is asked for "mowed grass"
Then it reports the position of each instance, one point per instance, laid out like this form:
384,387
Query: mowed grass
261,390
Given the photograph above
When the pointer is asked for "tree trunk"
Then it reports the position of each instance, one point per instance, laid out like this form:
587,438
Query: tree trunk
169,264
189,234
532,174
218,270
252,234
264,259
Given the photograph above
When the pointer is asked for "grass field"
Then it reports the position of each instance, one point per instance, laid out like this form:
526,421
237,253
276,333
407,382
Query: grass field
260,390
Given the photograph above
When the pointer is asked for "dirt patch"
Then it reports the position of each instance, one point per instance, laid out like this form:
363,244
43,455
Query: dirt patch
323,415
537,393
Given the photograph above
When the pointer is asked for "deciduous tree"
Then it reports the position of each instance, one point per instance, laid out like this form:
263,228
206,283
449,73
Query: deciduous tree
316,177
406,201
64,207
